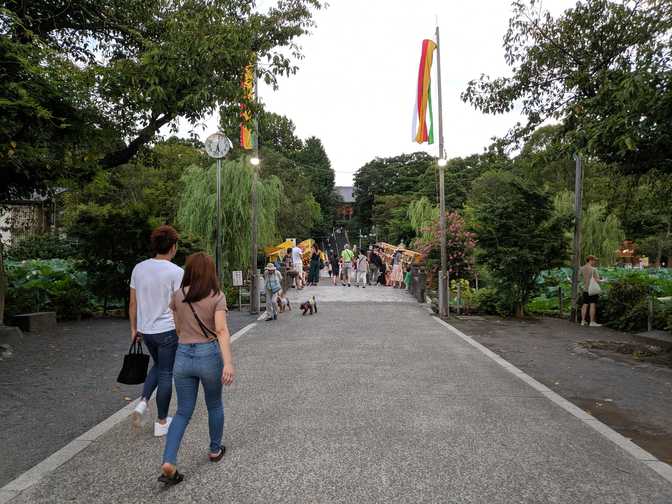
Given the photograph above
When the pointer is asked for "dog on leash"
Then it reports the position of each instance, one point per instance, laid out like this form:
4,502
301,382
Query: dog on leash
284,304
309,306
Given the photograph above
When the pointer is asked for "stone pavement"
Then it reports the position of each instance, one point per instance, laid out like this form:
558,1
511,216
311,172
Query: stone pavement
370,400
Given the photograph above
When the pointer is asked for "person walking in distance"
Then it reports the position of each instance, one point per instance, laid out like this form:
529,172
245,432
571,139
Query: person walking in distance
273,286
362,270
591,291
347,256
203,356
153,282
297,264
397,276
315,263
335,267
375,265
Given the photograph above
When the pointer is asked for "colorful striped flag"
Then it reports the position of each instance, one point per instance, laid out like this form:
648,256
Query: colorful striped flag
423,104
246,134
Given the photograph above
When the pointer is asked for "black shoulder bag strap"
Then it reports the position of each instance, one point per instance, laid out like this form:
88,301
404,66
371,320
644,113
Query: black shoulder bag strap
206,330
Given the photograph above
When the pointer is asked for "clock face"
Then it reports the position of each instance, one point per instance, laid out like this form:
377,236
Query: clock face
217,145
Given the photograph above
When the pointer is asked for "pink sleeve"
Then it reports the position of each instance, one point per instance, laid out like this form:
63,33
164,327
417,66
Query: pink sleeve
221,303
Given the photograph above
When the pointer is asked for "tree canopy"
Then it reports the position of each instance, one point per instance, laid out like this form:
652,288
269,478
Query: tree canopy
602,69
88,83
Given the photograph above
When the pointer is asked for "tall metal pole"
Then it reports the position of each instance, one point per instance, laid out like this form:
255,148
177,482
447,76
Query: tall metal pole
254,296
578,202
444,279
218,244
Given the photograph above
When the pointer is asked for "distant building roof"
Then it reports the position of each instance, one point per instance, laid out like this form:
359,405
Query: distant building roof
346,194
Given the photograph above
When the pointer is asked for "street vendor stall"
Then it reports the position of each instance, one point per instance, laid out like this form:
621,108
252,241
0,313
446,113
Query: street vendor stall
408,258
279,251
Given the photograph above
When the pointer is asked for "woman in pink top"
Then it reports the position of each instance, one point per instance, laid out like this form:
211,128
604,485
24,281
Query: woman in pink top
203,355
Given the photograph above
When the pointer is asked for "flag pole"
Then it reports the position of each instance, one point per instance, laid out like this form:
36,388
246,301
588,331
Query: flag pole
444,277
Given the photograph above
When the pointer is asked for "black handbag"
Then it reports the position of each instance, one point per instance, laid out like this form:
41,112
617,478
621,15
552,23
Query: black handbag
134,370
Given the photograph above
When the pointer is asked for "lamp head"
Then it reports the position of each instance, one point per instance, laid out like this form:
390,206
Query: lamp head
255,161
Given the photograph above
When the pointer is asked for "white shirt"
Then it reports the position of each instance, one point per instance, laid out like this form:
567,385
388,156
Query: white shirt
154,281
297,255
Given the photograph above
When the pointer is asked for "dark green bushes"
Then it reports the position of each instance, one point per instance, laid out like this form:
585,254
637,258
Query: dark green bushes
47,285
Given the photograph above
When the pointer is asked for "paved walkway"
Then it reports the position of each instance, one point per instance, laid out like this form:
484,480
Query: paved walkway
367,402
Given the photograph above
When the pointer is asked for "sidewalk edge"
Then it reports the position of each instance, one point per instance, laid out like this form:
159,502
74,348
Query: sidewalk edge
57,459
664,470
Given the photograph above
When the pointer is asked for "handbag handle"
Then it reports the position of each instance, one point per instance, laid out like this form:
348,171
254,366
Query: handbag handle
136,347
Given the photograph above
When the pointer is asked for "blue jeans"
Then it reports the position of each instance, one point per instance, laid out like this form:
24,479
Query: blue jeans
161,347
193,363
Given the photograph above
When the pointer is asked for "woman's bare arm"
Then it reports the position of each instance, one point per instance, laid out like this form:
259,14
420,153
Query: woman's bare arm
223,338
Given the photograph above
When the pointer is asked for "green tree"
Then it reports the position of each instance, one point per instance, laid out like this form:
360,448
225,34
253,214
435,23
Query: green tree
601,231
197,210
385,177
111,241
298,213
90,83
518,234
390,216
313,161
601,69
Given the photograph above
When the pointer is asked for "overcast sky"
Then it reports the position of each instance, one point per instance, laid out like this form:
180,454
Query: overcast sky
355,89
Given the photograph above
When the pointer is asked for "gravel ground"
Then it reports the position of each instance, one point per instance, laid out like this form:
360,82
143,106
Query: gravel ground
54,387
631,397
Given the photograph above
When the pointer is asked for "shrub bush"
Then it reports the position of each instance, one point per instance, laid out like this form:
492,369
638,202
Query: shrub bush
47,285
625,306
45,246
488,302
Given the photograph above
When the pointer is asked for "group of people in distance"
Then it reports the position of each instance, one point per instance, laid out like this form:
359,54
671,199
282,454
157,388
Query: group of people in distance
351,266
370,268
180,315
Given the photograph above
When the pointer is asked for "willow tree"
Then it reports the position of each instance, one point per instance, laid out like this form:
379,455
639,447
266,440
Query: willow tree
422,216
601,231
198,207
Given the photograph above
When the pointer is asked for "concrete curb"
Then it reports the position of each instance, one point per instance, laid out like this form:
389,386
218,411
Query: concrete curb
663,469
57,459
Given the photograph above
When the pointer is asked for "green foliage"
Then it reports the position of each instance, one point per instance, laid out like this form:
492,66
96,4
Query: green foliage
94,82
601,68
626,305
386,177
299,213
197,210
517,232
46,246
422,216
112,240
47,285
391,220
489,302
601,232
313,161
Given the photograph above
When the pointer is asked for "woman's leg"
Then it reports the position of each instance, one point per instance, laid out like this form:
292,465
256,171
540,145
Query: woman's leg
211,377
186,386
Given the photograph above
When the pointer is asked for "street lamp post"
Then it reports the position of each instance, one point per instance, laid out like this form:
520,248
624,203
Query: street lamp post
218,146
254,283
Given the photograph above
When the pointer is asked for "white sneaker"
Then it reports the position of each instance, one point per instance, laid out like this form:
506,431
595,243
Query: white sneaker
595,324
162,430
584,323
138,413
